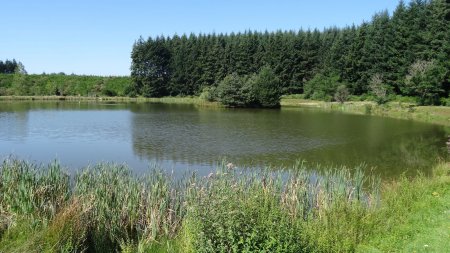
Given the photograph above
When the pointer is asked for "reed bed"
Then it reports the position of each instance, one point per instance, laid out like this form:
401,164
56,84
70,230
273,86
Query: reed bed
106,208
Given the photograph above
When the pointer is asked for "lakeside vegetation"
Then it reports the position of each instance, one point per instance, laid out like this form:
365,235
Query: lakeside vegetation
406,53
18,84
43,209
395,109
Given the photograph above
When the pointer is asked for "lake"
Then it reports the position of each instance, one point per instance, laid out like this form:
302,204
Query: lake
182,137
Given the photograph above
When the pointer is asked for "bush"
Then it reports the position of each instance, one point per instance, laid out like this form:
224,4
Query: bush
131,90
209,94
404,99
266,88
259,90
322,87
341,94
378,89
240,214
229,91
424,80
109,92
445,101
230,222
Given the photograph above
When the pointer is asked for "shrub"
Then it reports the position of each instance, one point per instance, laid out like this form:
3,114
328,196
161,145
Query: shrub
259,90
229,91
208,94
378,89
266,88
424,80
240,215
322,87
445,101
341,94
109,92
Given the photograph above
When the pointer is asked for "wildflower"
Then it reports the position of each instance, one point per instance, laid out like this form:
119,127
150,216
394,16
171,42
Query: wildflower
230,166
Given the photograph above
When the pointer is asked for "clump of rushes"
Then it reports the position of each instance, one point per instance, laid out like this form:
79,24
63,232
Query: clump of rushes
33,191
109,209
123,207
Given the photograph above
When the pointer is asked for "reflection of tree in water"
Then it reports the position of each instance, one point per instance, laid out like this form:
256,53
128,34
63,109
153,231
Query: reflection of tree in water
196,135
405,153
159,132
416,152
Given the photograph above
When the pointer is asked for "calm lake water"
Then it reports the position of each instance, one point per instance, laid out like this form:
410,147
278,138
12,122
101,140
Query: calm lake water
180,137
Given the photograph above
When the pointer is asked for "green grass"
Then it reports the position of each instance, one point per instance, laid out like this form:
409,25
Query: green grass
430,114
415,215
106,208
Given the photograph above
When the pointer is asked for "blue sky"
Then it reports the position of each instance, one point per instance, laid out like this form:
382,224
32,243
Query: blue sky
95,37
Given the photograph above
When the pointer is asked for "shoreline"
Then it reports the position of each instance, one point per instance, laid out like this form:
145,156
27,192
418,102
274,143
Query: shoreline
439,115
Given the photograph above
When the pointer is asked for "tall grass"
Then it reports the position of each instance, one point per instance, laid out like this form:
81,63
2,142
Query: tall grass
108,209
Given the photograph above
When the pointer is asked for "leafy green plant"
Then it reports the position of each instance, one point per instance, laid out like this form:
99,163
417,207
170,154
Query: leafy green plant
341,94
322,87
258,90
424,81
229,91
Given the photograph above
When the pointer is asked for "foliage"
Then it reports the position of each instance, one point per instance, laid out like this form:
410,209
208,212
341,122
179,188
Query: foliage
227,210
322,87
341,94
258,90
150,68
11,67
386,45
265,88
208,94
230,210
61,85
229,91
424,80
378,89
29,190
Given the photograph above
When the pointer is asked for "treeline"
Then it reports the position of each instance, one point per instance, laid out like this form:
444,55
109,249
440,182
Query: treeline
62,85
406,53
11,67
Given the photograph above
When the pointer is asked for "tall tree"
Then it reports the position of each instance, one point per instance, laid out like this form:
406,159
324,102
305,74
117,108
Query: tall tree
150,67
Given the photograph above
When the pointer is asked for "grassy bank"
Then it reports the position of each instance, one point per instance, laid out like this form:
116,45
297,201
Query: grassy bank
105,208
429,114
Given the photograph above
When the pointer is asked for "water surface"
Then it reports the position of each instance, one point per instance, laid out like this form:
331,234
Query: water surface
181,137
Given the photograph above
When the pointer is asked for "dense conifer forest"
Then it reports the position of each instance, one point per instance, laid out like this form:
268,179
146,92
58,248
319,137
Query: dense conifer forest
404,53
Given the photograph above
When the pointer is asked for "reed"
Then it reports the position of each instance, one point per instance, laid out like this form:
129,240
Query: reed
106,208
